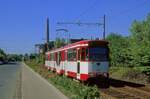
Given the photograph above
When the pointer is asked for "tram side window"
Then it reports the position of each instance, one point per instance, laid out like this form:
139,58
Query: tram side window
84,54
52,56
79,56
59,56
72,55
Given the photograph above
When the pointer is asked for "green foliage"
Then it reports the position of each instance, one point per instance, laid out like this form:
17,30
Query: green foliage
2,55
9,57
119,54
133,50
38,58
51,45
143,69
59,43
134,74
14,57
119,72
78,90
140,38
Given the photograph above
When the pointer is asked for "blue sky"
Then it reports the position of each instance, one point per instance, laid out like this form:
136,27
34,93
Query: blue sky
22,22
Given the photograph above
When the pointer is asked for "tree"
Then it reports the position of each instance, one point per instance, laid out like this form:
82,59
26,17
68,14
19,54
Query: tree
51,45
119,52
140,38
133,50
2,55
59,42
26,56
14,57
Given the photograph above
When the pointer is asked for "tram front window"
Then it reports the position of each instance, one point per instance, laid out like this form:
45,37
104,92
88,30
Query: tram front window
98,54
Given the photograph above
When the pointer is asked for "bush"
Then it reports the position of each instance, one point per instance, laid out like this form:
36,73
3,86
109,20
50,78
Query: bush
78,90
136,75
132,74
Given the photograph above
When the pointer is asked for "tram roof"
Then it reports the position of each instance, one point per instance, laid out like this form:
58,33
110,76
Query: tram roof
80,44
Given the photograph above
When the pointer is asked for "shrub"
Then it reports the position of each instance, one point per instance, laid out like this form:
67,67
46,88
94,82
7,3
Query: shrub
78,90
132,74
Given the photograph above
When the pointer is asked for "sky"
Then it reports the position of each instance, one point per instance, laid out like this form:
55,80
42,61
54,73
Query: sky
23,22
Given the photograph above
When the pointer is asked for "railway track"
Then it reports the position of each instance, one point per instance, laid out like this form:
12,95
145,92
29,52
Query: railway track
124,90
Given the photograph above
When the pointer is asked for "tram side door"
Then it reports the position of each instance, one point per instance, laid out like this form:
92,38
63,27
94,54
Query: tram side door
78,62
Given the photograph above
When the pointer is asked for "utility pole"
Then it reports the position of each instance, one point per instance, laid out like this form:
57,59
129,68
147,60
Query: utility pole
47,34
89,24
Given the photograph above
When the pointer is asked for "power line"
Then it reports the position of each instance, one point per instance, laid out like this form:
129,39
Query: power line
85,11
86,23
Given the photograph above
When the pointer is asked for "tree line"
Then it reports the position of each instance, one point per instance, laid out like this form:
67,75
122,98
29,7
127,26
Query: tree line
4,58
2,55
132,50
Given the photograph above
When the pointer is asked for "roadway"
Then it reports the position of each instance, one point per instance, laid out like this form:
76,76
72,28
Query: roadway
18,81
9,80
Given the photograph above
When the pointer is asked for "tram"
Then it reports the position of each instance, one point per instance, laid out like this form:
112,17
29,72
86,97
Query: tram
81,60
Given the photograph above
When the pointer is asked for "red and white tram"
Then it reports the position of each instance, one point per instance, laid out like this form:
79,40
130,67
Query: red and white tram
81,60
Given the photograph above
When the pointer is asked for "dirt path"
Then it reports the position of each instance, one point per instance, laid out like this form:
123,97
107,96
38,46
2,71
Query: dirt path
125,90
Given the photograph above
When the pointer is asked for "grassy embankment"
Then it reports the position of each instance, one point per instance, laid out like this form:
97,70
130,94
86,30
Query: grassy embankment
133,74
72,89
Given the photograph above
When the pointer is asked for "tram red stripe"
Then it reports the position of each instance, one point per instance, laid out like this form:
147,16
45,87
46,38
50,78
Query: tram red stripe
61,71
71,74
84,77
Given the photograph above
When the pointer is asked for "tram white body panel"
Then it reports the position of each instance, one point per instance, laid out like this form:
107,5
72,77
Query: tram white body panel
98,67
71,66
85,67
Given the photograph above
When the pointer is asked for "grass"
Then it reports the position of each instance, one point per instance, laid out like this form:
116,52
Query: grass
144,69
133,74
72,89
75,90
118,72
